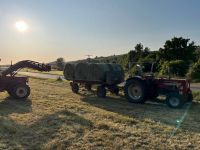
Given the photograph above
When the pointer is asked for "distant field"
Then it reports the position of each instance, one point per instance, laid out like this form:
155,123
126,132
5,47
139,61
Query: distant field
55,118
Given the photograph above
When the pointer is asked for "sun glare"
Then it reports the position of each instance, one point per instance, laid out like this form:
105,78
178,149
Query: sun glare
21,26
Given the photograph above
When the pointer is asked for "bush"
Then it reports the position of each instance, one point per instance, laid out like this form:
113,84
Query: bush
177,67
194,72
60,63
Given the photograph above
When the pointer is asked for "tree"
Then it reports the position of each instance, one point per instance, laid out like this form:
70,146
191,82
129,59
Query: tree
194,72
178,49
131,55
146,51
197,54
176,67
60,63
139,48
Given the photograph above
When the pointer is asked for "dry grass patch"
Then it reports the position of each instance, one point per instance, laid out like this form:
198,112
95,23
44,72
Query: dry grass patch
55,118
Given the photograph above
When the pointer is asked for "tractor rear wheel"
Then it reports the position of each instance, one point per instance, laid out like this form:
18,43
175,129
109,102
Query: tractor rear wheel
20,91
134,91
101,91
174,100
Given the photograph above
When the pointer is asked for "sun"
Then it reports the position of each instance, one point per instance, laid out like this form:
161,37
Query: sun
21,26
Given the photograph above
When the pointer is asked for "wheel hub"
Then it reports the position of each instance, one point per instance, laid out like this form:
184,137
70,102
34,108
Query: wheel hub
135,92
174,101
21,91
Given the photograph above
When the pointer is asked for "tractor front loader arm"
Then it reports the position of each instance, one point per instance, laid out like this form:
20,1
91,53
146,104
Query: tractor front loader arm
13,69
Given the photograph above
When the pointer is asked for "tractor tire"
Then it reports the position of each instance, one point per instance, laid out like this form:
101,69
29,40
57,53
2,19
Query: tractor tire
174,100
101,91
75,87
134,91
20,91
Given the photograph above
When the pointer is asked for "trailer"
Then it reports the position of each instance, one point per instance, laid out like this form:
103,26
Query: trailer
105,76
16,86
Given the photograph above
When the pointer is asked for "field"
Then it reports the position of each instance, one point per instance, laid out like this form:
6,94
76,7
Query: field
55,118
53,72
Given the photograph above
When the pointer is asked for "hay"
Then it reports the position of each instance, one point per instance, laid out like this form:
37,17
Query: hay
115,75
69,71
81,71
97,72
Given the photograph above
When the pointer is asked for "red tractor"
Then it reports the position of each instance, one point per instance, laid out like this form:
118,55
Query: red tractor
18,87
138,89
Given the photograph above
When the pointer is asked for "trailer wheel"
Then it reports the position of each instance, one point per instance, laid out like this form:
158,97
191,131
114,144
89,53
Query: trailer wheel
75,87
174,100
101,91
88,87
134,91
114,90
20,91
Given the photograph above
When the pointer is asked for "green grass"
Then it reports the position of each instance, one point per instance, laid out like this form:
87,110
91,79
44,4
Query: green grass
55,118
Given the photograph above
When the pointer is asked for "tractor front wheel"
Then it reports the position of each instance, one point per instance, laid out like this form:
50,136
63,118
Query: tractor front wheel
20,91
174,100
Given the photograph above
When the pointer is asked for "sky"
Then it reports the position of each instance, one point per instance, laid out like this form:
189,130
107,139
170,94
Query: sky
73,29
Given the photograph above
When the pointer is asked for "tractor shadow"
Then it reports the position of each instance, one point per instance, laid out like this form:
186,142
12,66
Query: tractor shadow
44,131
157,111
10,105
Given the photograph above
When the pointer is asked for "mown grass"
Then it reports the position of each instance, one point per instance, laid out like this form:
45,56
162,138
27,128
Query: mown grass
55,118
53,72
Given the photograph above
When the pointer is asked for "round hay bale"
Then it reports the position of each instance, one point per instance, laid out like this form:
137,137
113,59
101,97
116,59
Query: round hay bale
115,75
69,71
115,67
97,72
81,71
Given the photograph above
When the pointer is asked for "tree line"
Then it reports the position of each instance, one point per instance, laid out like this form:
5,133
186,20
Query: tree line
179,55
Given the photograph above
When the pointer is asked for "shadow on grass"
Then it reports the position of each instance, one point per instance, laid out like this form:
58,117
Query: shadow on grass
10,105
46,130
155,111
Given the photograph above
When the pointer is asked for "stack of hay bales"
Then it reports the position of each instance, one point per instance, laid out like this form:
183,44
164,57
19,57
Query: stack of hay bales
96,72
69,71
81,71
115,75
